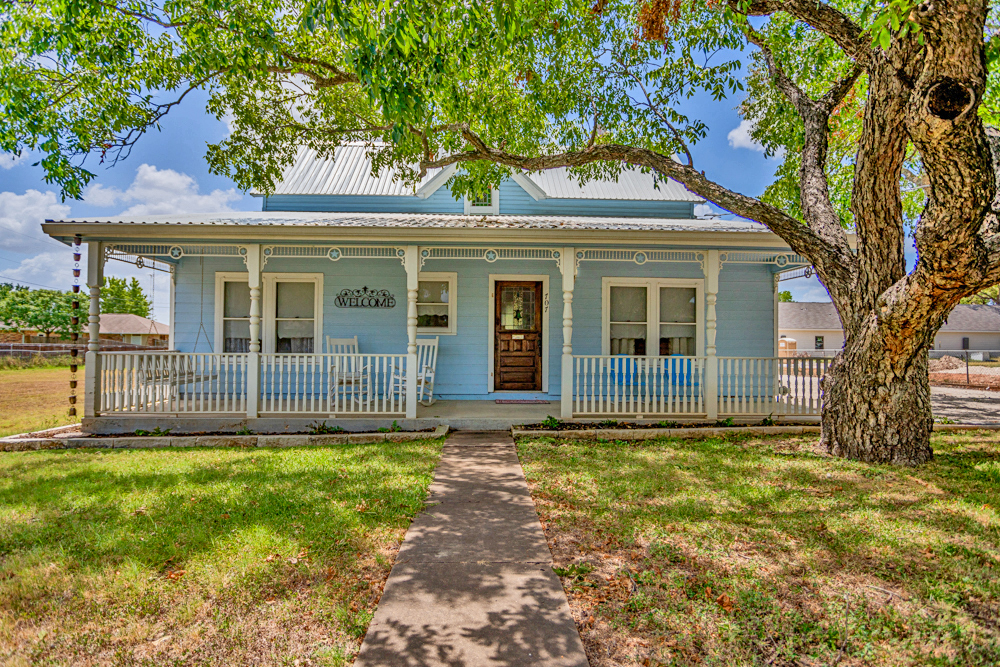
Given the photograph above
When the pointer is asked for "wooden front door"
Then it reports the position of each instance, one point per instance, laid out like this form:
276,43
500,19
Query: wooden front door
517,337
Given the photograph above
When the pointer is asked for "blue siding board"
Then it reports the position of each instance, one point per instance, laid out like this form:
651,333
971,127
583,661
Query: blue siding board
745,310
513,201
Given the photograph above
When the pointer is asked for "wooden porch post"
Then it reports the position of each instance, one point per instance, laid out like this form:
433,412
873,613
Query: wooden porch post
568,266
411,262
253,362
92,370
711,379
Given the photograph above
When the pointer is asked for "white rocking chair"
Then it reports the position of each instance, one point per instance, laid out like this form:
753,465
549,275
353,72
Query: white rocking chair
347,374
427,353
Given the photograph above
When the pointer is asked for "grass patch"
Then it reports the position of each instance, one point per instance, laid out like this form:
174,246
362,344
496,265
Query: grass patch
214,557
757,551
34,399
38,361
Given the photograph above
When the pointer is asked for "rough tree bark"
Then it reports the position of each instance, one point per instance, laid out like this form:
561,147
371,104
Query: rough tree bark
876,396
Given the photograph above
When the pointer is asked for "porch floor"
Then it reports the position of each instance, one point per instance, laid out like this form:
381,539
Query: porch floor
451,412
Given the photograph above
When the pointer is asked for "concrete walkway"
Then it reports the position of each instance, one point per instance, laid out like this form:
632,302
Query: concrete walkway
473,582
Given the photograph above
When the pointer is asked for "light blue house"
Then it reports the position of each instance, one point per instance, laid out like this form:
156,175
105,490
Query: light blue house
609,299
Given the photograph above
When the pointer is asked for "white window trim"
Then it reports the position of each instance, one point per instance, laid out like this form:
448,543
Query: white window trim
221,278
452,280
491,326
492,209
652,286
268,305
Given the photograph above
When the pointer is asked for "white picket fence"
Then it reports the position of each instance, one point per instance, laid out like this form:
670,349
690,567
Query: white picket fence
333,384
172,382
618,385
622,385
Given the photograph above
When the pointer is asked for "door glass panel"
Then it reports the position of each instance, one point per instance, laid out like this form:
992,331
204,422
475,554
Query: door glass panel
517,307
295,299
237,300
628,320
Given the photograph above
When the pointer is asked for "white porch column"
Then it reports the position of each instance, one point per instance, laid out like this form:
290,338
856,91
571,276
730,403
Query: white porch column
711,380
568,266
253,362
411,262
92,364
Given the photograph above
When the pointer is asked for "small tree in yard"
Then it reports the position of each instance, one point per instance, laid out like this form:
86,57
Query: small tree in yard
119,296
876,105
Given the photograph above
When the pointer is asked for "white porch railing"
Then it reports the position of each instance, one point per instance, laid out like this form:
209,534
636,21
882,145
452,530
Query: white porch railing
172,382
679,386
333,384
633,385
755,386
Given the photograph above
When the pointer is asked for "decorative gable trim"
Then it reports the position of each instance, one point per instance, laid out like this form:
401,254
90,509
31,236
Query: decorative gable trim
529,186
439,179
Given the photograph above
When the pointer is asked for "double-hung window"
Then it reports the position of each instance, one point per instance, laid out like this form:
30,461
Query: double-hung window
653,317
437,303
291,312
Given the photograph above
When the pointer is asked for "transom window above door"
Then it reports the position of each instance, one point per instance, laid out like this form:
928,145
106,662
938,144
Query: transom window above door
652,317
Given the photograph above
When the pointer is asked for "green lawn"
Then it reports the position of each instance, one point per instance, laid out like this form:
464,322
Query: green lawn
33,399
200,557
767,552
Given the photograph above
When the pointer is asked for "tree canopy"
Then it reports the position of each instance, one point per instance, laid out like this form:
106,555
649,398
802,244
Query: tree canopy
44,310
121,296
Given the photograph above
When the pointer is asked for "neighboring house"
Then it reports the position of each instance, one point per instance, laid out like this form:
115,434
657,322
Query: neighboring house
610,297
123,327
129,328
816,326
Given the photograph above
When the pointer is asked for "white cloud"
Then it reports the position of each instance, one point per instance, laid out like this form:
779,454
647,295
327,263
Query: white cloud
161,192
703,211
9,160
43,269
739,137
21,217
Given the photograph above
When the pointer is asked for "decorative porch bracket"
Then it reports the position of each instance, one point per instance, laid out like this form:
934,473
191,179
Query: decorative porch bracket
92,370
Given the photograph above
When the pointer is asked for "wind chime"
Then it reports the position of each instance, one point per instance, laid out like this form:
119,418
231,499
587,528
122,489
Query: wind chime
75,322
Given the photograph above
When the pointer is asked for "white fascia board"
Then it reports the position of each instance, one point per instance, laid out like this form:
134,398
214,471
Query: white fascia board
529,186
439,179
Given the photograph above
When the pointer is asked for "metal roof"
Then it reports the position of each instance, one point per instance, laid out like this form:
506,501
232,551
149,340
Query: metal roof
430,221
631,184
350,173
822,316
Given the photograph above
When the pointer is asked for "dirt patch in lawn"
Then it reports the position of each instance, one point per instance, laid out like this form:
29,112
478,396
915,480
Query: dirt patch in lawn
766,551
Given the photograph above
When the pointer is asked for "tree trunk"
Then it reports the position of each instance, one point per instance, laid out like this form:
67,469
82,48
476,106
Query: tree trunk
877,404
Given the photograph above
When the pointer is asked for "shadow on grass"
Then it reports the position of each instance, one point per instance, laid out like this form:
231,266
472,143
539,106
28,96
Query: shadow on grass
794,531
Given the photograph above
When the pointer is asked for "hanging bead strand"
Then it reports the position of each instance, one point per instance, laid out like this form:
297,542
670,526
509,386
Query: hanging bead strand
75,323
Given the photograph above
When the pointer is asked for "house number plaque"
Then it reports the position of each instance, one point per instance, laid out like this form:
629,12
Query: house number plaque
365,298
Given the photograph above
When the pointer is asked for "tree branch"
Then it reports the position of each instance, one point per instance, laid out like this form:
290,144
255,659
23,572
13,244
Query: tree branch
833,257
830,21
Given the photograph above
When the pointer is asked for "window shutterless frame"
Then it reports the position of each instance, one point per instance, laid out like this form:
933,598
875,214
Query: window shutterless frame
269,320
426,307
268,305
653,319
478,208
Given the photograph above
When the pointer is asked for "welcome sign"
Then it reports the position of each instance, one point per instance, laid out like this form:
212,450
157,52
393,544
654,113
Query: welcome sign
365,298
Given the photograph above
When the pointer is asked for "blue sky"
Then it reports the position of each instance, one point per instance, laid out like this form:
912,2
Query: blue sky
167,173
